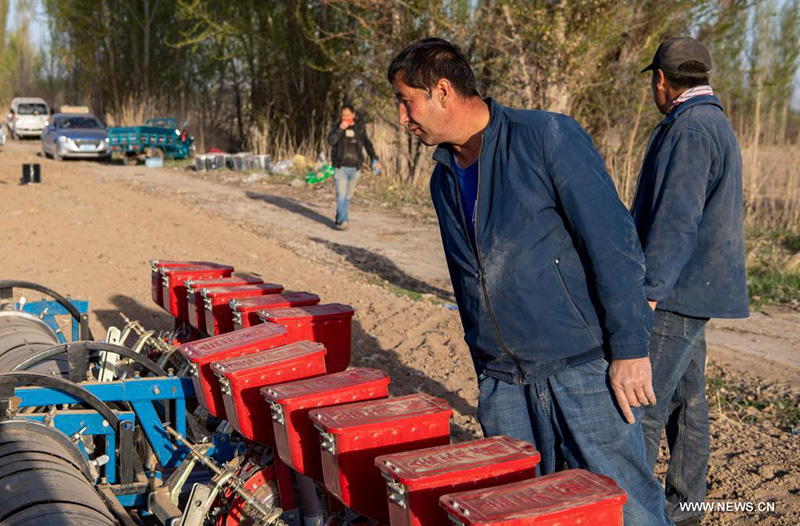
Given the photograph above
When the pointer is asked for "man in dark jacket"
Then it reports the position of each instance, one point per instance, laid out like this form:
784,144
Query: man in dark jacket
547,271
688,212
348,138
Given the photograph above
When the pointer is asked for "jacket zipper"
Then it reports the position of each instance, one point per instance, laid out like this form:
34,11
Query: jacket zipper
481,275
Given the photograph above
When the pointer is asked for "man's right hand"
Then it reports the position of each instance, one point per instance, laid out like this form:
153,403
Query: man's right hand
632,383
343,125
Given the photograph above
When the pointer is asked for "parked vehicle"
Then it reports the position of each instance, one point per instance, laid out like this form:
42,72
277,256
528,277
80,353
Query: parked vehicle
27,117
78,135
157,138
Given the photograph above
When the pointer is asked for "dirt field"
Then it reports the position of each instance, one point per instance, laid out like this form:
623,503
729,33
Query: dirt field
90,229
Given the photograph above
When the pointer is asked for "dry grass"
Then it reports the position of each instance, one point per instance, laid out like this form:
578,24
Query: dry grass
772,188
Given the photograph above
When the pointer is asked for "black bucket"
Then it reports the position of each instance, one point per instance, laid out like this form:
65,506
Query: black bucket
31,173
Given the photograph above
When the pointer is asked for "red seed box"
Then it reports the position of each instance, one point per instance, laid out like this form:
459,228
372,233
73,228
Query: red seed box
328,324
194,301
203,353
174,290
416,479
245,311
216,302
241,378
353,435
574,496
155,276
297,442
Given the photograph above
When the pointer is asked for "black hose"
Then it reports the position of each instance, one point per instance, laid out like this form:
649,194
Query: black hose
62,348
19,379
64,302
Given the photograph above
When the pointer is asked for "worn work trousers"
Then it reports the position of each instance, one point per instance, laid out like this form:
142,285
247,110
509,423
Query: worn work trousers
678,356
572,418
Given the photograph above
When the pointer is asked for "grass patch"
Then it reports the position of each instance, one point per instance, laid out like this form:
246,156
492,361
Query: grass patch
179,163
750,402
397,291
769,287
773,267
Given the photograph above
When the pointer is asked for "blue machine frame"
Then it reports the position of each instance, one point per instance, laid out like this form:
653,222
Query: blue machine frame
53,309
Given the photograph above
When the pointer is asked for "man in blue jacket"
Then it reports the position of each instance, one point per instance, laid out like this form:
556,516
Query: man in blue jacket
547,270
688,212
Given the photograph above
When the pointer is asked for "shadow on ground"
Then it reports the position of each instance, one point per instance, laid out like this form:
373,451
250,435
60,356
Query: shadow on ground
151,317
294,207
383,268
367,352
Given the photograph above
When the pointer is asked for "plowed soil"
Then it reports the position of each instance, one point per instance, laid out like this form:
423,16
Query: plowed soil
90,229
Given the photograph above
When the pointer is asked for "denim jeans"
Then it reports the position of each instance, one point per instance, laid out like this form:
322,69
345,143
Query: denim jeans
344,179
572,418
678,356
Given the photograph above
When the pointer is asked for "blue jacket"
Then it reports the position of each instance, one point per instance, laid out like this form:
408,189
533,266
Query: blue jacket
556,278
689,213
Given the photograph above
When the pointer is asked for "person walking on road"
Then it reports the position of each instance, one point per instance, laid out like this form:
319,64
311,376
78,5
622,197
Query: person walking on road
689,215
547,271
348,138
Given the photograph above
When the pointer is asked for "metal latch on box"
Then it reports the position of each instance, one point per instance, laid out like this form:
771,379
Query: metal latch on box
328,442
193,369
189,292
225,385
237,314
397,491
277,413
206,300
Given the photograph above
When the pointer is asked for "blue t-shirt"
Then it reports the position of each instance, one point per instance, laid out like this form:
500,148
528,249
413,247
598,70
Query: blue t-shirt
468,184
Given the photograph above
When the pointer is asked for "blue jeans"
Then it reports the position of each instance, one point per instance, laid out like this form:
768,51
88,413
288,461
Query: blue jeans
572,418
678,355
344,180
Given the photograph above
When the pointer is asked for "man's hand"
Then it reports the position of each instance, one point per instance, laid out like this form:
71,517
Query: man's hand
632,383
343,125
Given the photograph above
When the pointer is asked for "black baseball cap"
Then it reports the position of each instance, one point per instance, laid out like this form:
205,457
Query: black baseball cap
673,52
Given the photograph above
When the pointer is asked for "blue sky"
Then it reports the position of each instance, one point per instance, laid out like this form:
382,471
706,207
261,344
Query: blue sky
39,33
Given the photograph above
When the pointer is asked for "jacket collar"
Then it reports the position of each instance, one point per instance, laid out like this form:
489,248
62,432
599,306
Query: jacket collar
694,101
444,152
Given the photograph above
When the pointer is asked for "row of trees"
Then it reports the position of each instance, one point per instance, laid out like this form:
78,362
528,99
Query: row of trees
269,75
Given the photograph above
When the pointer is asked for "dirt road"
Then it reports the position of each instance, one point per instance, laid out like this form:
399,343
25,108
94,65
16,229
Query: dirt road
90,229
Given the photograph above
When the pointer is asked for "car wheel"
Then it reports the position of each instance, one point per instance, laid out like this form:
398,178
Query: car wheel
130,160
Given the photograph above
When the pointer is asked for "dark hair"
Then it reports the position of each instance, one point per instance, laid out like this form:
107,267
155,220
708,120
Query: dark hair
348,106
426,61
696,75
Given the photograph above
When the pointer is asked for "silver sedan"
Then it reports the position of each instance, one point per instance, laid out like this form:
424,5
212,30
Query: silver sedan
75,135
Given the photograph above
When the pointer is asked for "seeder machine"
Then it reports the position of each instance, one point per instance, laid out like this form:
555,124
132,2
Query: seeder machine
248,413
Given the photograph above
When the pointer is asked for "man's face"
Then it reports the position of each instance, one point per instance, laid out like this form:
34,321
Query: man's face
419,112
348,116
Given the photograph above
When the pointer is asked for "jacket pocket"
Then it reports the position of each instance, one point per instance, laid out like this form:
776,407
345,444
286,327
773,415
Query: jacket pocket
575,307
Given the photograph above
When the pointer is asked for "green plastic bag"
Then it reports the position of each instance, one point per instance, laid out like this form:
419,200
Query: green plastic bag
320,175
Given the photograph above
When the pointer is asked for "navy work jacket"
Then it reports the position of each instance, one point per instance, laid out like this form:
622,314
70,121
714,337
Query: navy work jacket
556,275
689,213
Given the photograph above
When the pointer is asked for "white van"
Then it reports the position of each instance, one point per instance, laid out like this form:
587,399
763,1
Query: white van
27,117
